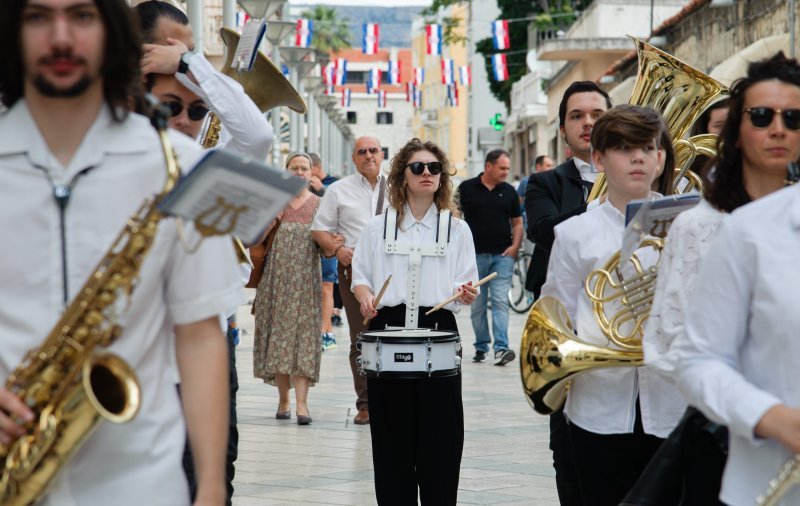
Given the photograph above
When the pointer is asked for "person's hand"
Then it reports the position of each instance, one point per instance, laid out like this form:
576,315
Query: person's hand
338,239
315,183
344,255
468,294
13,413
160,59
511,251
368,307
782,424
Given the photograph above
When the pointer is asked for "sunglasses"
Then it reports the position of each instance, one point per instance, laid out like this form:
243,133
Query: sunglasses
761,117
435,168
195,112
363,151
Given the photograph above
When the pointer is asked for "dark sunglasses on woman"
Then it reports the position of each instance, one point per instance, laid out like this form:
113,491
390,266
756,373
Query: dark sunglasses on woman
418,167
761,117
195,112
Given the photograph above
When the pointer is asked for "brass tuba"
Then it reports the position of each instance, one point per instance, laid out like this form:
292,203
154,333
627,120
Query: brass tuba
550,353
680,93
70,386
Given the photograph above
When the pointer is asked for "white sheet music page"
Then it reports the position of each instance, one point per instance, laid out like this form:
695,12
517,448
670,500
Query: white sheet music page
245,56
652,217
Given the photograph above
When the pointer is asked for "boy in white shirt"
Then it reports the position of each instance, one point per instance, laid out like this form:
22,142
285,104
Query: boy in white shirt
613,413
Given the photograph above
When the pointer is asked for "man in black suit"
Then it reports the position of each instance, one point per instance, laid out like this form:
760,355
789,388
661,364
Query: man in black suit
552,197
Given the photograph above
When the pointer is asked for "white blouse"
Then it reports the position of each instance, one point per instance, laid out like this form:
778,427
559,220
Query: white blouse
740,352
690,236
441,275
603,401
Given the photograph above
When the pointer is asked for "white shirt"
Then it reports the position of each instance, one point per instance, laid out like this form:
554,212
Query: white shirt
245,129
139,462
440,276
740,352
348,204
603,401
690,236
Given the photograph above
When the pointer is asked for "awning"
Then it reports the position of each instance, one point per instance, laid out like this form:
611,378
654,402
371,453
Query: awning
735,66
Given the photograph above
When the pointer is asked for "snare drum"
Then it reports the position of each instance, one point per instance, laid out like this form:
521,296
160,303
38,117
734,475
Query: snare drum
409,353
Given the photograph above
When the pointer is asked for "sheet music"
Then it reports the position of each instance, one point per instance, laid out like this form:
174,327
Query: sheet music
652,217
246,51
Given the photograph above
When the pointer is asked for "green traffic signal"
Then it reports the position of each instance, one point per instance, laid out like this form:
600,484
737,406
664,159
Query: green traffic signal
496,122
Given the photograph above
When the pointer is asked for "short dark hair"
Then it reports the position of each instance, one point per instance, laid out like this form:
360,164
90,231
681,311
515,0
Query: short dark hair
151,12
635,125
539,160
579,87
701,125
315,159
495,154
121,58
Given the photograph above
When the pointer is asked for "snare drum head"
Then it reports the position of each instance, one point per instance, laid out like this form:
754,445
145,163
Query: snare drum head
407,336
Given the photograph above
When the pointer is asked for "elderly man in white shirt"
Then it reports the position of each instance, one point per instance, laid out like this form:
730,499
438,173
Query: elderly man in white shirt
347,206
75,165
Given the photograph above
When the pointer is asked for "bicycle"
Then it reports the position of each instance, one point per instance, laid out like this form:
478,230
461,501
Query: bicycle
519,298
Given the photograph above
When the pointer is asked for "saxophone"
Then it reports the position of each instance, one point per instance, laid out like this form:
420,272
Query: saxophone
69,386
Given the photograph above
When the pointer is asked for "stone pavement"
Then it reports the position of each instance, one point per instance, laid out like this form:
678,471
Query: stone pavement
506,457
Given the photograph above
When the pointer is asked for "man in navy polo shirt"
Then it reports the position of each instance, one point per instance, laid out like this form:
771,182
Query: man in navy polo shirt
492,210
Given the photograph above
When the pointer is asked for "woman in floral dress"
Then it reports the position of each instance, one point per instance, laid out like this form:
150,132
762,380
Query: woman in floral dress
288,305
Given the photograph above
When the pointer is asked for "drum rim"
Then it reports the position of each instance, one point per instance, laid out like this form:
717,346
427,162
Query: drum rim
371,336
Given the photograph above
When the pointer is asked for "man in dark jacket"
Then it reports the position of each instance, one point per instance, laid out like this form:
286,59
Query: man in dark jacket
551,197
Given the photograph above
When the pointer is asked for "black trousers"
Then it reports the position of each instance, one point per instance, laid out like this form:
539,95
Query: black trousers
563,462
417,428
608,465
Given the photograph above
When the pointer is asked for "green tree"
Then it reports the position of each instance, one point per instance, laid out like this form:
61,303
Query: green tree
331,33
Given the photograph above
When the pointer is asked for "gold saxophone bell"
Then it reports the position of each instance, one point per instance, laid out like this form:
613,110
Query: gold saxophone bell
680,93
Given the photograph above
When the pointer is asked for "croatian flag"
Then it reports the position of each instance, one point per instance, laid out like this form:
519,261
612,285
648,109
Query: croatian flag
346,97
330,90
370,42
394,72
500,34
500,67
417,98
340,72
452,95
305,28
374,81
466,75
410,90
329,74
433,39
381,98
448,71
419,76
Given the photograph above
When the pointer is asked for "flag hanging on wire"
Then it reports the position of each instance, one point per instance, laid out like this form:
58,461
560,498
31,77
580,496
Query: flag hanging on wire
465,73
417,98
381,98
448,71
419,76
433,39
305,27
374,80
346,97
340,72
500,67
410,90
369,44
329,74
452,95
394,72
500,34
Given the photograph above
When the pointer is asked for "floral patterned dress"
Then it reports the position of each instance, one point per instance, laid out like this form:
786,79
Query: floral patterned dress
288,304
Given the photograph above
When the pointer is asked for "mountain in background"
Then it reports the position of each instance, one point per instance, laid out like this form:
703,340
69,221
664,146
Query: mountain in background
395,22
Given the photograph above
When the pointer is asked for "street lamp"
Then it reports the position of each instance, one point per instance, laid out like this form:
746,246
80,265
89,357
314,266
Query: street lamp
261,9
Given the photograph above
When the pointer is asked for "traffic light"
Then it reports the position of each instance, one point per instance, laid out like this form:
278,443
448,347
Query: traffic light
496,122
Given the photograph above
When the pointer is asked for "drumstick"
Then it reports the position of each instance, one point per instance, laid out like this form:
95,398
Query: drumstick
380,294
454,297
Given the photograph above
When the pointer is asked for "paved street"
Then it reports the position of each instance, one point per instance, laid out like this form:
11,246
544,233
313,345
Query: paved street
506,459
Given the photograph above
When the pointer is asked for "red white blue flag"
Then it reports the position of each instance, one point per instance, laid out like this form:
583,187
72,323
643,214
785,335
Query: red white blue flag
381,98
448,71
340,72
330,90
417,98
329,74
452,95
305,27
433,39
500,35
346,97
465,73
394,72
500,67
369,44
374,80
410,90
419,76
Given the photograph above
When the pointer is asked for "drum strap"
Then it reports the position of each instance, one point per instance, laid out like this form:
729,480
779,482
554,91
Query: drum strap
415,253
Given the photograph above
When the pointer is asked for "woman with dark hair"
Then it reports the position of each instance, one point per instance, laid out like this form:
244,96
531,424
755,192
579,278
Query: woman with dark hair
754,150
417,424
